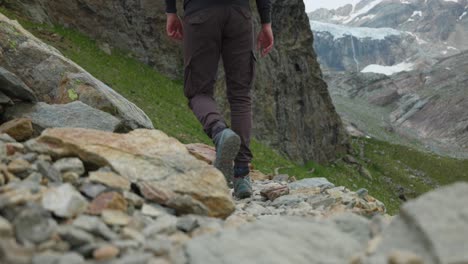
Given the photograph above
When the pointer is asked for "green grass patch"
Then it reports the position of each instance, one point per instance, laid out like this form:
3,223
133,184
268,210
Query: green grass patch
396,170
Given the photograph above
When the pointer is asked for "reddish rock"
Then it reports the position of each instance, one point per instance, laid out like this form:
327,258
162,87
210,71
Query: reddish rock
20,129
275,192
107,200
202,152
106,252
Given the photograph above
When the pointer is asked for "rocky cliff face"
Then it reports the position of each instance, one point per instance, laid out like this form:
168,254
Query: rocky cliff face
293,111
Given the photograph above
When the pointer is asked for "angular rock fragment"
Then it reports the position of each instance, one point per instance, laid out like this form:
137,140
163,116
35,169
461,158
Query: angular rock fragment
64,201
20,129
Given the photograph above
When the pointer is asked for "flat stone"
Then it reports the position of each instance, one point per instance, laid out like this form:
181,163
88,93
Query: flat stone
115,217
187,224
311,183
34,225
282,240
153,210
166,224
321,201
6,229
107,200
110,179
44,116
159,247
75,236
20,128
133,234
14,87
160,166
275,192
92,190
46,169
64,201
106,252
69,165
202,152
95,226
354,225
18,166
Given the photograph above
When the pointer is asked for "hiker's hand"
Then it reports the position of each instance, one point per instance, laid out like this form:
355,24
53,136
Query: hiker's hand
265,40
174,27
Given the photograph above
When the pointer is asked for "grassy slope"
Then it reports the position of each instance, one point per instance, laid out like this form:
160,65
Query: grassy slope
162,99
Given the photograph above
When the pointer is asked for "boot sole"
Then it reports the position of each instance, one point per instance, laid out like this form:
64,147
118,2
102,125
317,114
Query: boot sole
227,154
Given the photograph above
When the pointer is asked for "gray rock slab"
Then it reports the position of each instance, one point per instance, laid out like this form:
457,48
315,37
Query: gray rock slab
74,114
311,183
34,224
275,240
14,87
95,226
433,226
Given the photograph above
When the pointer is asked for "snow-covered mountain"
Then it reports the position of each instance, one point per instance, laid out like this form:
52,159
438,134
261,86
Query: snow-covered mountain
397,69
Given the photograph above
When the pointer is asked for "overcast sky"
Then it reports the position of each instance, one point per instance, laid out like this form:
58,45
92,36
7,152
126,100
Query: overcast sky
330,4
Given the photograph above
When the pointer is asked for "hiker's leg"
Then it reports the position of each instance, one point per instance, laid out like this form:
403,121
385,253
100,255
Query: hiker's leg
202,48
239,65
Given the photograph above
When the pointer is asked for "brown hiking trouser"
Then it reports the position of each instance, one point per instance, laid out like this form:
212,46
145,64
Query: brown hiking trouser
210,34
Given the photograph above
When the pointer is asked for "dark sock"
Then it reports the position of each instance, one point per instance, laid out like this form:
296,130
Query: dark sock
241,171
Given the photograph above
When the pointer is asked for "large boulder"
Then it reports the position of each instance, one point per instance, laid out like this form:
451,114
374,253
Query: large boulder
276,240
74,114
55,79
433,228
159,166
293,112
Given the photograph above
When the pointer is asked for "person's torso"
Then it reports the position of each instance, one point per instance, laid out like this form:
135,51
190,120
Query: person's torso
191,6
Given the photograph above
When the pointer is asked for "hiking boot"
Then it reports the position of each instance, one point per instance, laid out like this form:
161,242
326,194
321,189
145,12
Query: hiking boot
227,147
242,184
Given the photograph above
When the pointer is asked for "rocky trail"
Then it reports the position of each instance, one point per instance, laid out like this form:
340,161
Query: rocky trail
78,195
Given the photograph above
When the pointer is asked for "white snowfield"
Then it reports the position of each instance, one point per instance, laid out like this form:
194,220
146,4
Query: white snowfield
339,31
388,70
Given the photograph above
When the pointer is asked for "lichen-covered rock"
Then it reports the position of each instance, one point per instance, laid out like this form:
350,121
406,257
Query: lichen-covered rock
55,79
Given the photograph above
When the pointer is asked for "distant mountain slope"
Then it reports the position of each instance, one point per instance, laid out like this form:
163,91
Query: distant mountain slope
427,106
397,69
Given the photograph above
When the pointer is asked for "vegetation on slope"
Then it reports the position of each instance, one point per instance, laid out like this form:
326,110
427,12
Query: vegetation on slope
396,172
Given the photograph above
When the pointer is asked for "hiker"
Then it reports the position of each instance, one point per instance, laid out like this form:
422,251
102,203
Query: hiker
210,30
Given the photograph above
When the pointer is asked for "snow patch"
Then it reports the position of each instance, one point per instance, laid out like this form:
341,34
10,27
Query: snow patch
388,70
361,11
406,2
456,1
371,16
462,15
452,48
419,40
410,20
339,31
417,13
